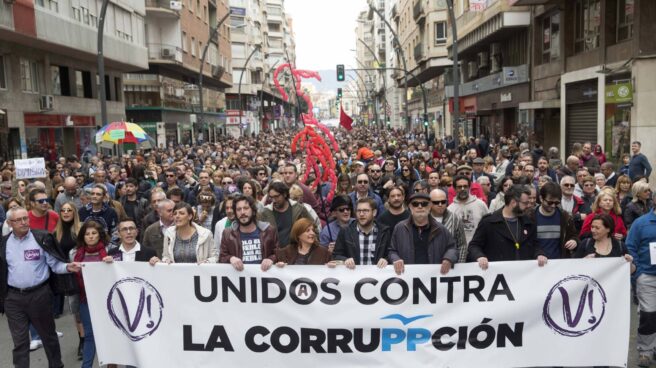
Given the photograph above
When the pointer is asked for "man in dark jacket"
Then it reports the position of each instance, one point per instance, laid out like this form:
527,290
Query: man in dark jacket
365,241
204,183
507,235
129,250
422,240
134,206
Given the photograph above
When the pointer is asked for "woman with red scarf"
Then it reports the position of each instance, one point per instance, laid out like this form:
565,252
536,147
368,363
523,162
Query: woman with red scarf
91,240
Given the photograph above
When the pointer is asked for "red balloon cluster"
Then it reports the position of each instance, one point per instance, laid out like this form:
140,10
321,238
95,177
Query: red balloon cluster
315,139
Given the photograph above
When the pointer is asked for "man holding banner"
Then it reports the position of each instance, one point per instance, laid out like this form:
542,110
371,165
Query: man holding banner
507,235
422,240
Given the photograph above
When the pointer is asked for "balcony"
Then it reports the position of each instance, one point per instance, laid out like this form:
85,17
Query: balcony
418,13
419,53
394,13
165,54
163,9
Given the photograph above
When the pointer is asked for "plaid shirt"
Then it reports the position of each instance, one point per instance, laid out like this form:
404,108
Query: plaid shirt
367,245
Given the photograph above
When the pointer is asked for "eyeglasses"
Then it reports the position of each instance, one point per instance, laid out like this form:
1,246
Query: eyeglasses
343,209
66,210
128,229
363,181
41,201
462,186
439,203
99,194
406,170
421,204
375,171
568,185
60,191
226,182
589,185
22,219
552,203
363,210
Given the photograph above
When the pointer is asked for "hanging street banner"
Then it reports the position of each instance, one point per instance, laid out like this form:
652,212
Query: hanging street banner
514,314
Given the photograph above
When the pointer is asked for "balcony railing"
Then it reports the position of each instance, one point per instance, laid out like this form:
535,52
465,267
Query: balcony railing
163,5
419,52
418,11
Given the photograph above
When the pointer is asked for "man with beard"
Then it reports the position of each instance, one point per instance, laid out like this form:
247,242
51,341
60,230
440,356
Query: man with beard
364,241
341,209
135,207
248,241
422,240
507,235
290,177
98,210
589,160
282,213
441,214
376,180
226,222
467,207
396,210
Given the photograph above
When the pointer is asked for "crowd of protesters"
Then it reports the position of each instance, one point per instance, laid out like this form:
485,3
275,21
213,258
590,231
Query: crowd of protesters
400,199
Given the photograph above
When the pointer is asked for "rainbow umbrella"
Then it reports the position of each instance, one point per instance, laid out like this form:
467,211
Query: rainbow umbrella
120,132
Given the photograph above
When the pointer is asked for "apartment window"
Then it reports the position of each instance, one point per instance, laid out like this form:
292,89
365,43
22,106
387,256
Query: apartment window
440,33
123,21
29,75
625,12
200,49
238,50
184,42
274,27
117,88
193,46
587,18
551,38
205,13
3,73
198,8
55,80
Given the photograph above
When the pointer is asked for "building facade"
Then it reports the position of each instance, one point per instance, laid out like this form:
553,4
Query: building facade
164,98
48,72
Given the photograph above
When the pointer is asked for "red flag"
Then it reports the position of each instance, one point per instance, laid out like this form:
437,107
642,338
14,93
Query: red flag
344,120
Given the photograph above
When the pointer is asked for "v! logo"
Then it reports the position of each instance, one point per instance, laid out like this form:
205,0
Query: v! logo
133,324
567,312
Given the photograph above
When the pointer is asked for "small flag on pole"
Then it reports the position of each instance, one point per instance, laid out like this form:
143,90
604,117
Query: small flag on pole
344,120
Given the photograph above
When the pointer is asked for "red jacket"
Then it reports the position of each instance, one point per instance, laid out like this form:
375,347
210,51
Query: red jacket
475,190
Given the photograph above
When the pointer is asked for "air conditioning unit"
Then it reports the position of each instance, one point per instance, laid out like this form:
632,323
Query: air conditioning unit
483,60
46,102
168,53
472,70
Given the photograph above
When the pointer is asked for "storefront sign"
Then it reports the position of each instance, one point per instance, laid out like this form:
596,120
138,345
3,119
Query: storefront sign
505,97
510,75
31,168
238,11
46,120
619,93
515,314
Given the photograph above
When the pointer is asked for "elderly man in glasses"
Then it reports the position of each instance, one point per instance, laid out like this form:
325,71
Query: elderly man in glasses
422,240
441,214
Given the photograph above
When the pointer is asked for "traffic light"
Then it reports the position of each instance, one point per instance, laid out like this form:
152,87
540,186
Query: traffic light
426,123
340,72
339,93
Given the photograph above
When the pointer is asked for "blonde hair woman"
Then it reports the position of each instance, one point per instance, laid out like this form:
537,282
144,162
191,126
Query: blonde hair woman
640,204
606,203
296,194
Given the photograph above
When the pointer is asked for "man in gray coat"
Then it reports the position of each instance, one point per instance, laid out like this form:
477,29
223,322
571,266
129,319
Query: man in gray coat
422,240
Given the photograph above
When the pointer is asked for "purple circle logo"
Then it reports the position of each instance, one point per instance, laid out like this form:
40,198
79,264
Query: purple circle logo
574,306
135,307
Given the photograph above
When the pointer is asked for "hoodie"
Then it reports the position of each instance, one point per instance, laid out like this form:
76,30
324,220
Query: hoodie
470,212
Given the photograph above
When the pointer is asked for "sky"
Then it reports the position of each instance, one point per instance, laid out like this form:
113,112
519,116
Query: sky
325,31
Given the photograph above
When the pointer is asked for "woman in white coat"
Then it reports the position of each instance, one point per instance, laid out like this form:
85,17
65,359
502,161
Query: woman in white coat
187,242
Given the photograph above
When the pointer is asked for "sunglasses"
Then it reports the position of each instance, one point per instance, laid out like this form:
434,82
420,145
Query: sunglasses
406,170
363,181
375,171
420,204
60,191
439,203
343,209
552,203
226,182
568,185
41,201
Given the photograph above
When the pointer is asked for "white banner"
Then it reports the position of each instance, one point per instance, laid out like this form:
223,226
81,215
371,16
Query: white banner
31,168
515,314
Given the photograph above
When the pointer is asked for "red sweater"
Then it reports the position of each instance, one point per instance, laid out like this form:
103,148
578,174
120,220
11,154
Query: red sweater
39,223
619,224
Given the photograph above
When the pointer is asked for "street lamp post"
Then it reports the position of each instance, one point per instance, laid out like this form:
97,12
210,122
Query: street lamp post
101,63
365,87
399,50
262,90
214,32
384,78
241,77
456,73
